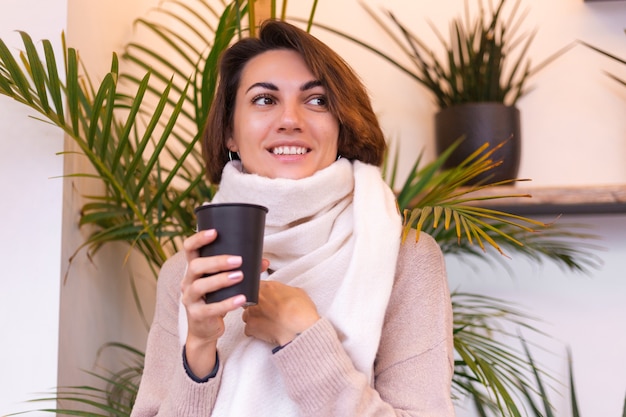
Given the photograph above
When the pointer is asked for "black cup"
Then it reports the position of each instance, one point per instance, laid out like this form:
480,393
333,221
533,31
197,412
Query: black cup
240,228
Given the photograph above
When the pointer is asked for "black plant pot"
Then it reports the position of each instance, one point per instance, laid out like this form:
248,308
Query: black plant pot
480,123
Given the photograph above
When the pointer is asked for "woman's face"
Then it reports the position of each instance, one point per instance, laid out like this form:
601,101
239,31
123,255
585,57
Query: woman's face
282,126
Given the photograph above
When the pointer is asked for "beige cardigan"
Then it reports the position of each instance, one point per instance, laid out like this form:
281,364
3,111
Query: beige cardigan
413,369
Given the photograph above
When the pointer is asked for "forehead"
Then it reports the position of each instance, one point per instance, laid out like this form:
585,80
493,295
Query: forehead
275,65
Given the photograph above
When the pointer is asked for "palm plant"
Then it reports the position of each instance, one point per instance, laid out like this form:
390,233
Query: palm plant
140,132
473,68
476,78
484,60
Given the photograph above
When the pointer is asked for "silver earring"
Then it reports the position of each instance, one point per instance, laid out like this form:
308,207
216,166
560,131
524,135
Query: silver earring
338,157
230,155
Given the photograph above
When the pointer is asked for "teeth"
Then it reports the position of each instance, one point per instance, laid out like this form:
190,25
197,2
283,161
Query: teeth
289,150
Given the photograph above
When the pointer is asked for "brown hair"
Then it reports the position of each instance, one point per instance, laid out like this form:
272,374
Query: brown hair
360,135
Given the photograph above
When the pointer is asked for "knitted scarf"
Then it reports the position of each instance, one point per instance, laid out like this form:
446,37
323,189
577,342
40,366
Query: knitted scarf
335,234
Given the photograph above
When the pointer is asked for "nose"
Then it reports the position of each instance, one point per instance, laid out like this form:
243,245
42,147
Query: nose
291,117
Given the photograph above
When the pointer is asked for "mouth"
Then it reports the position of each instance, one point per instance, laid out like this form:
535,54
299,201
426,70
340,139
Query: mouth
289,150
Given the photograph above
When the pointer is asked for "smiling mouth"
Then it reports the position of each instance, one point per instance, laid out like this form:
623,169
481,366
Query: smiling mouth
289,150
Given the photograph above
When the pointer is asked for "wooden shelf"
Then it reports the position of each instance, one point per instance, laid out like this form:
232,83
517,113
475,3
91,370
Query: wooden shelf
557,200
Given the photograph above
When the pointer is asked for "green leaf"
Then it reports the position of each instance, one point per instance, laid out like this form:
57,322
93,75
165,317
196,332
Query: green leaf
73,90
37,72
18,87
55,86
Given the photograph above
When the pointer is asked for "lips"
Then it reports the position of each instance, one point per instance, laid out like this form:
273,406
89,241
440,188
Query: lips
289,150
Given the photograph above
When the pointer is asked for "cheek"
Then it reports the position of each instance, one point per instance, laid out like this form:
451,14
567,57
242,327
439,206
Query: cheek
252,126
333,133
242,127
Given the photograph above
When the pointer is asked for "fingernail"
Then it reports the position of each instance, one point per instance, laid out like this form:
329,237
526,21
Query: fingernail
235,275
209,232
239,300
234,260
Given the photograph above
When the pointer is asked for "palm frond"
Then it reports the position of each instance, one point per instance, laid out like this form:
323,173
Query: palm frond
609,55
147,202
489,369
439,202
115,400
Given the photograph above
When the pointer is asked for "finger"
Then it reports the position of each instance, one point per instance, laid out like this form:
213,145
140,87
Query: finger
210,265
202,311
193,243
217,282
265,264
195,289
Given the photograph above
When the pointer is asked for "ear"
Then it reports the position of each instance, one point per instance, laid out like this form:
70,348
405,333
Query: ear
232,145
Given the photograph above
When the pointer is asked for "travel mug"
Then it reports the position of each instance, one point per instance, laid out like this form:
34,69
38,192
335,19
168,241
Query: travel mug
240,228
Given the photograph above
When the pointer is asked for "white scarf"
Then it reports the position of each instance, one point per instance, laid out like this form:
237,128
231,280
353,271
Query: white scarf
335,234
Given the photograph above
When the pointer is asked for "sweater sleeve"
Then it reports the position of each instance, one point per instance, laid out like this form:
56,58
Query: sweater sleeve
414,364
165,388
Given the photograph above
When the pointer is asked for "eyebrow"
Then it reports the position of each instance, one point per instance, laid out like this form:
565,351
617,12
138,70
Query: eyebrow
270,86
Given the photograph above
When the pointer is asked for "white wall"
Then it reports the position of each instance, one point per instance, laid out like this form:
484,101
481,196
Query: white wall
573,131
30,241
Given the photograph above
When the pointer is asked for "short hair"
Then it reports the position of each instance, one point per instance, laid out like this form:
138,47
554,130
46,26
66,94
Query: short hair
360,135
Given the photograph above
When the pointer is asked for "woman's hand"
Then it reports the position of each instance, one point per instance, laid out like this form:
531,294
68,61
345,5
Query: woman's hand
281,314
206,321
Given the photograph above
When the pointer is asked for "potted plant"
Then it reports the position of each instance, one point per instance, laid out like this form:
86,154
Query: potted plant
475,80
150,206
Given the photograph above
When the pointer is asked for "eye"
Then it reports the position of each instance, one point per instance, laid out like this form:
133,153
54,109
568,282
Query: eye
319,101
263,100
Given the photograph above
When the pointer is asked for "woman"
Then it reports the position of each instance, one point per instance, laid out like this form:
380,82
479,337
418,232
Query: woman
349,321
